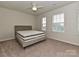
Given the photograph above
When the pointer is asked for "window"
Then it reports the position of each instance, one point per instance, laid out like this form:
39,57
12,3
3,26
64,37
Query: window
44,23
58,22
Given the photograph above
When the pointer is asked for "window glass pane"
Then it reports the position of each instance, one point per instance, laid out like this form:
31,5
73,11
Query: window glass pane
58,16
44,20
62,20
58,20
54,19
62,17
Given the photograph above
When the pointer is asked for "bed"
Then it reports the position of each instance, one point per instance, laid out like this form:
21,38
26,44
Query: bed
26,36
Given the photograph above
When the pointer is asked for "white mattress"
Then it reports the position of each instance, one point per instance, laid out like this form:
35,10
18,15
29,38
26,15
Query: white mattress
29,33
30,41
30,37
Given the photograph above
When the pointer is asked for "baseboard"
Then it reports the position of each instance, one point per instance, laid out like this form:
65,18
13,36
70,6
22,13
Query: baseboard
6,39
72,43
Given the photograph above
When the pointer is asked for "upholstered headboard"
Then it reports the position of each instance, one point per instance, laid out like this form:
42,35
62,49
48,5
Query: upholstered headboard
22,28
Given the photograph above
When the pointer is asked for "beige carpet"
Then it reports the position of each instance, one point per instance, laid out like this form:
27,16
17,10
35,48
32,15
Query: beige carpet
48,48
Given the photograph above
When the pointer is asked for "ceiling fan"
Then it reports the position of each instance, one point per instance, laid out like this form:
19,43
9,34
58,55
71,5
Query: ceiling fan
34,7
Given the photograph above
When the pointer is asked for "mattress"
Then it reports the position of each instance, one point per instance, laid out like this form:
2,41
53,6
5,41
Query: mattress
29,37
30,41
29,33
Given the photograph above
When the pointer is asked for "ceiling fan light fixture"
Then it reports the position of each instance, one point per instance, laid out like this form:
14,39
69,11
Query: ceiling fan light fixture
34,8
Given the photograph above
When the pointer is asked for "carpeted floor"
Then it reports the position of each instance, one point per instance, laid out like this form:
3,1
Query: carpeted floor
47,48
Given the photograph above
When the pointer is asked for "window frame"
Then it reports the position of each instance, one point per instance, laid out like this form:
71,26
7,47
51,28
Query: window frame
43,23
58,22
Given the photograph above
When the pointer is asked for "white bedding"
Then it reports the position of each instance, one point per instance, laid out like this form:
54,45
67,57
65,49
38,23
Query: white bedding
29,33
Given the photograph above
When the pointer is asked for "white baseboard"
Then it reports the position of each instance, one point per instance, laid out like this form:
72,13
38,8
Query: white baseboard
73,43
6,39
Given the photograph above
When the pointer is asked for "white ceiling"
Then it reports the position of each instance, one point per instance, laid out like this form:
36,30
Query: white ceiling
24,6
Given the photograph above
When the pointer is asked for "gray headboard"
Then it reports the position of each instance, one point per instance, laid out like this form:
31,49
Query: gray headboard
22,28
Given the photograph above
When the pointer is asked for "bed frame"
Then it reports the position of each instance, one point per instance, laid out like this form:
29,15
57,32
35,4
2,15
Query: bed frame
22,28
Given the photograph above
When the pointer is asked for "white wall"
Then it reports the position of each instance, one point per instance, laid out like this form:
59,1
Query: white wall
9,18
71,34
